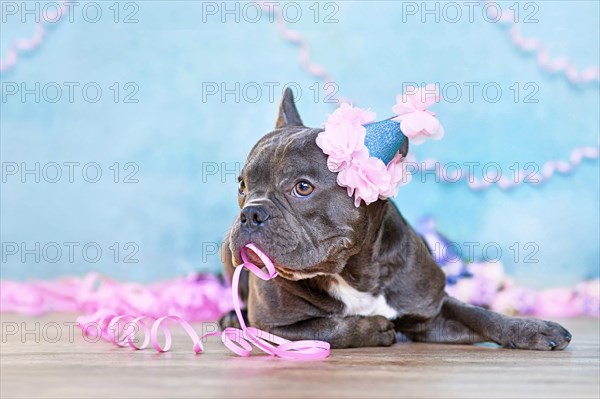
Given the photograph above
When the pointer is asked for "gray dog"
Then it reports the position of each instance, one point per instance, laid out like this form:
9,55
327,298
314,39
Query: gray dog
351,276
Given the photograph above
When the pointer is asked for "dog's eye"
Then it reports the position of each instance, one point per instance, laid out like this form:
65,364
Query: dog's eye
241,187
302,189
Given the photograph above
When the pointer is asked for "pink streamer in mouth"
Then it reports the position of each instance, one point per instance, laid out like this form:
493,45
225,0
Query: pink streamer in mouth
238,340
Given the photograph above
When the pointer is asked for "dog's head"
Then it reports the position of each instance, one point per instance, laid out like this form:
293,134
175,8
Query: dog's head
291,205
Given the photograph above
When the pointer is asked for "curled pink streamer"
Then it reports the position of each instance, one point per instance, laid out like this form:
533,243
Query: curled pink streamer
239,341
308,350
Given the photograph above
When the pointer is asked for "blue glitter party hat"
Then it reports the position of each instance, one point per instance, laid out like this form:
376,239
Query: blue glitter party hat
384,139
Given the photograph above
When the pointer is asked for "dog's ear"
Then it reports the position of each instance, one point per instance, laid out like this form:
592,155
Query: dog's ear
288,114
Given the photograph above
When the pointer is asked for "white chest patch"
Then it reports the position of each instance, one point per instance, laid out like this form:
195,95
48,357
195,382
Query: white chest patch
360,303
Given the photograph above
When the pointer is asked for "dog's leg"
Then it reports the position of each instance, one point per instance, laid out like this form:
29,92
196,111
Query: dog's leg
461,323
341,332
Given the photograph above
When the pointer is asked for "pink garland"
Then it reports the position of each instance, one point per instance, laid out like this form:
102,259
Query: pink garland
561,64
294,37
550,167
548,170
32,43
306,63
485,283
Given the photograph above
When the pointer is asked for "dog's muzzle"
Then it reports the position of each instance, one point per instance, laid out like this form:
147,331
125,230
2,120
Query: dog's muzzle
253,217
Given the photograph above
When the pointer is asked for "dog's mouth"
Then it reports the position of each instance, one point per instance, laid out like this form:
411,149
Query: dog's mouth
282,270
285,270
254,258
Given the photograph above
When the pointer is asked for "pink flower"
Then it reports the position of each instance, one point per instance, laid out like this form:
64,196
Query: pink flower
366,178
346,113
399,176
416,122
342,141
344,136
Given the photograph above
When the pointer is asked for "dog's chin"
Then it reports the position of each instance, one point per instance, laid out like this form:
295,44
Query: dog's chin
285,269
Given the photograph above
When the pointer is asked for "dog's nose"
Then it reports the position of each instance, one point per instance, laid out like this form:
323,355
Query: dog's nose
253,216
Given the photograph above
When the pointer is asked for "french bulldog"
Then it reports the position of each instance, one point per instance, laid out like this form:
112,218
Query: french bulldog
351,276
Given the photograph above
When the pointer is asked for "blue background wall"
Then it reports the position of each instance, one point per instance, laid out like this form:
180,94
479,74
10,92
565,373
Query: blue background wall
171,132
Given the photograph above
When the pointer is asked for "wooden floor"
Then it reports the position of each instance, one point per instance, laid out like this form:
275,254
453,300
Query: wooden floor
81,369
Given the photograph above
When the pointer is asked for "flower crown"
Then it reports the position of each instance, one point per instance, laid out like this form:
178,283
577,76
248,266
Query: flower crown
366,154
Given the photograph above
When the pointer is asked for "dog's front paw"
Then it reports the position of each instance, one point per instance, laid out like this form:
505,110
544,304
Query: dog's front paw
536,335
373,331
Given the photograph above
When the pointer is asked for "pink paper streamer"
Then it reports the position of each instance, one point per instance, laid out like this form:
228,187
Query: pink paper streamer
195,298
239,341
